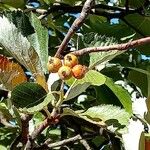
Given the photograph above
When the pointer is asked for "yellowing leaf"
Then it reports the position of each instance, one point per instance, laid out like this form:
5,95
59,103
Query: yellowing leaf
11,74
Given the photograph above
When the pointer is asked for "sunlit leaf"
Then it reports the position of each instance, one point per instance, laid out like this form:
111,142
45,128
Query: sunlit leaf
39,40
92,39
121,94
92,77
112,117
108,114
11,74
19,47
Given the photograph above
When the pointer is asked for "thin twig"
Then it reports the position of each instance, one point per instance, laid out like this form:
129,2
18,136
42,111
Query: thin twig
63,142
36,132
85,144
119,47
77,9
75,26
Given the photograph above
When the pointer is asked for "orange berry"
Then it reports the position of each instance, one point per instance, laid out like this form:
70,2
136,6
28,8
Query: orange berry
65,72
79,71
70,60
53,64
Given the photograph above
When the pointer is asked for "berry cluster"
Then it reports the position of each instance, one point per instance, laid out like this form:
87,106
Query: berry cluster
68,68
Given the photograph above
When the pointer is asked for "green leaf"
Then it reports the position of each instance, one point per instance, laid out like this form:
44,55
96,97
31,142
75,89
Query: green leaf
49,1
121,94
3,147
108,114
140,23
28,95
136,77
49,98
112,117
71,2
4,112
39,40
7,135
95,40
92,77
140,70
14,3
18,46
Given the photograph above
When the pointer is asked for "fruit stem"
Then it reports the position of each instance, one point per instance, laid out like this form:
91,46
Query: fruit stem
60,101
67,93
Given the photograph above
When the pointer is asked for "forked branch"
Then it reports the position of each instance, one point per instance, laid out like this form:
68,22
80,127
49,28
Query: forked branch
75,26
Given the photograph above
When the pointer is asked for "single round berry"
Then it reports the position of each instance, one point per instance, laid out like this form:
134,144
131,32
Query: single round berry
70,60
53,64
79,71
65,72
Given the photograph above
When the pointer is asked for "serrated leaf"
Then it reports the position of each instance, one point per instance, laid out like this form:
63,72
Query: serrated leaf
39,40
92,77
27,95
95,40
109,114
112,117
121,94
19,47
11,74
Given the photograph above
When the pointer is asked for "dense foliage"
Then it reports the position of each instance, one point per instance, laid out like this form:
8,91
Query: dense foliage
105,105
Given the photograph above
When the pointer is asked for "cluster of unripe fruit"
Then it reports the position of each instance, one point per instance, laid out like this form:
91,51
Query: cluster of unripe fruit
68,68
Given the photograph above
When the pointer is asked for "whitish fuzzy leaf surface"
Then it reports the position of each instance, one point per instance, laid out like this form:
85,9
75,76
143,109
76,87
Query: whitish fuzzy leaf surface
95,40
92,77
39,40
109,114
112,117
19,47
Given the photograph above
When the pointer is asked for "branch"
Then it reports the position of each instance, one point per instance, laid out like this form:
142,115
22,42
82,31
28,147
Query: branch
77,9
63,142
75,26
85,144
120,47
36,132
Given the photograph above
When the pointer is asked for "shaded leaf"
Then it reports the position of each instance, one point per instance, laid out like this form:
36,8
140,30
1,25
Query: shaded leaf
7,135
92,77
140,70
28,95
121,94
49,98
140,23
14,3
11,74
39,40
